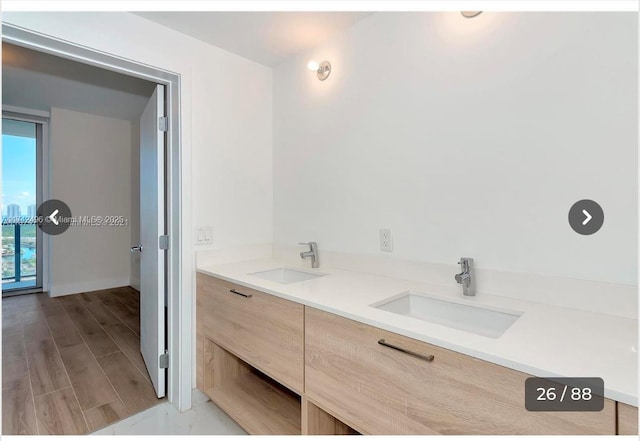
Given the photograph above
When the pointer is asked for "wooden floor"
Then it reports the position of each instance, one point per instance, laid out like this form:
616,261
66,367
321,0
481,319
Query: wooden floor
71,365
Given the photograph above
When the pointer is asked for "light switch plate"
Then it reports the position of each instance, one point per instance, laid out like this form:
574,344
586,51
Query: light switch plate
204,235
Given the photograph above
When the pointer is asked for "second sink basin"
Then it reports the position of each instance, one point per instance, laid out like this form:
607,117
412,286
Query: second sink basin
285,275
481,320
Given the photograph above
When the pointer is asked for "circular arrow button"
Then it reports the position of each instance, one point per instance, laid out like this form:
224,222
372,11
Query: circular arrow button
54,217
586,217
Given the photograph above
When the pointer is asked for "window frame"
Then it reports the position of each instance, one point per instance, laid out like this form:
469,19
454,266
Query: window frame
41,120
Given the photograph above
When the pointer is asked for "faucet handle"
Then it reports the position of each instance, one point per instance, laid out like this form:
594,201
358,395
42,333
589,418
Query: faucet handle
304,243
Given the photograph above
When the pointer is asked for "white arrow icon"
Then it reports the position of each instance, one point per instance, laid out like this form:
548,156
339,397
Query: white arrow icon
588,217
52,216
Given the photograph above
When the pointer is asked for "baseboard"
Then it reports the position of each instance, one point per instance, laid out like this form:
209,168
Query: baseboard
86,286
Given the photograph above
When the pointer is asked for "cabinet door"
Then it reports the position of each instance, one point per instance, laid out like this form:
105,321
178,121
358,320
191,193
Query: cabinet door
627,419
381,390
263,330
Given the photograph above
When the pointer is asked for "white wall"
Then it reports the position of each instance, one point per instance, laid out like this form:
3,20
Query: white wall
90,170
467,138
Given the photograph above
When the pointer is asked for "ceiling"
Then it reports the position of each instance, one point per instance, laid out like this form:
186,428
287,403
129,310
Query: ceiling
265,37
39,81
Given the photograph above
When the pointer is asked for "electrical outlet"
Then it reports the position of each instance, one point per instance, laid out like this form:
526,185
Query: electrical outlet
204,236
386,239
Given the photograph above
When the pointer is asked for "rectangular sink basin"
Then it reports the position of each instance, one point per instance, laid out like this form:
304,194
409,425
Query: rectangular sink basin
285,275
481,320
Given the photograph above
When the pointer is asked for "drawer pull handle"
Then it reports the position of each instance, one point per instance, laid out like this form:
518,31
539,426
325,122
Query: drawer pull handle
248,296
406,351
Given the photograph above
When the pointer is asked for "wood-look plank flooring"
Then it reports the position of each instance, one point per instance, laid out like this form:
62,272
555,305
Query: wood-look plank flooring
72,364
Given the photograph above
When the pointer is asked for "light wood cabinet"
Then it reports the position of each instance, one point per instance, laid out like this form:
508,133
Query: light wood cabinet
627,419
261,329
316,421
257,403
277,367
250,355
381,390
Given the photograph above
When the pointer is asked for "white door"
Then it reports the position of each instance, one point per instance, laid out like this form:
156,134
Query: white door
152,227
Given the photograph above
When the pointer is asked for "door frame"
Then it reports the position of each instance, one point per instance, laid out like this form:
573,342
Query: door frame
178,202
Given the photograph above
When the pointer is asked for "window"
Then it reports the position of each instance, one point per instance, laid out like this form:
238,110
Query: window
21,195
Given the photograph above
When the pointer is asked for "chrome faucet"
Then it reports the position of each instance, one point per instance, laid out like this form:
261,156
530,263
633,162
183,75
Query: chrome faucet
313,253
467,277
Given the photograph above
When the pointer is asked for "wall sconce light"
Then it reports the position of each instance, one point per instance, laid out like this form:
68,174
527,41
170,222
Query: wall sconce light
322,70
470,14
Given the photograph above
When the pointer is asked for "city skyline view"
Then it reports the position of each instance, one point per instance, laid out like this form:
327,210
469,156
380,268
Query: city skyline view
19,173
13,210
19,241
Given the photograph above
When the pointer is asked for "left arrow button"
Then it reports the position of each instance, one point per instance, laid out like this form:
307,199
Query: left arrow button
52,217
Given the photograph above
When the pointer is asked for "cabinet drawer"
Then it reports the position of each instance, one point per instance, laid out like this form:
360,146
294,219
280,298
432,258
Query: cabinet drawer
264,330
381,390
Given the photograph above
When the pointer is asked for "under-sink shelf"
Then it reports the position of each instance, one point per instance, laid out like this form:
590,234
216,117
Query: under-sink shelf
317,421
256,402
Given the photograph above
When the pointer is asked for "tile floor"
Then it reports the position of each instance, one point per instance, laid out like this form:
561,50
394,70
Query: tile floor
204,418
71,365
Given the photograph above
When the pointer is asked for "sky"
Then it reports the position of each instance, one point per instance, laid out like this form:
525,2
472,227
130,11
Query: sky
18,172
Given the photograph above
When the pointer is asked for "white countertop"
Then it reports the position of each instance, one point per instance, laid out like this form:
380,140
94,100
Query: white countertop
545,341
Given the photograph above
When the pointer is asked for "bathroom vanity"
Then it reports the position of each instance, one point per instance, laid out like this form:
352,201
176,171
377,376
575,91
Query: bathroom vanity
280,365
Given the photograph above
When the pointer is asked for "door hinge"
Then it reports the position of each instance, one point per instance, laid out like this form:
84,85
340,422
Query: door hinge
163,123
163,361
163,242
